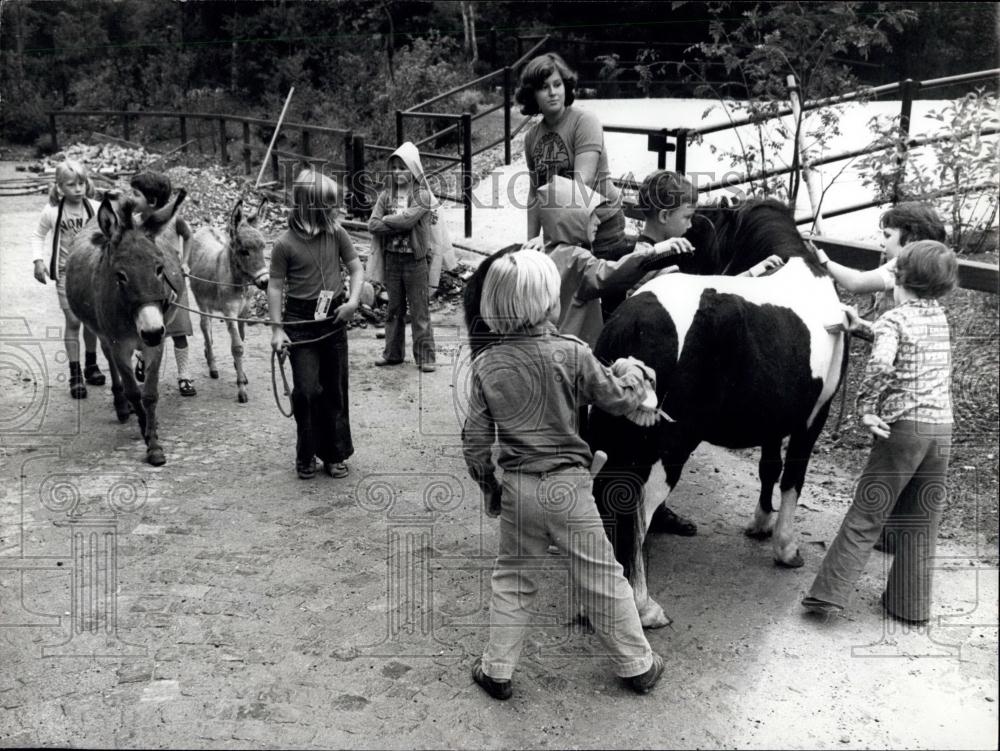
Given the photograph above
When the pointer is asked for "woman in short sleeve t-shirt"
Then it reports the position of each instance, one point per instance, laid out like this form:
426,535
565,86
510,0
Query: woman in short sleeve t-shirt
567,142
309,266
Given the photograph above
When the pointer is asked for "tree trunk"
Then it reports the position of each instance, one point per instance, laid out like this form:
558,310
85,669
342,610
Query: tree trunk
472,31
390,43
469,29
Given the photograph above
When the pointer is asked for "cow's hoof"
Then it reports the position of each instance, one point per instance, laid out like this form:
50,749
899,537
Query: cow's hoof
652,616
156,457
122,413
755,533
242,397
796,561
213,373
583,623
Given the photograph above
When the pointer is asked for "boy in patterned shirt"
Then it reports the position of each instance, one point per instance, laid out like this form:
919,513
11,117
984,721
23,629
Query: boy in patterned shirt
905,401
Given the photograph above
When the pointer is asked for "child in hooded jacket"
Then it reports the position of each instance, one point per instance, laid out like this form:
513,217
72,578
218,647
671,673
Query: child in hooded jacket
400,226
569,216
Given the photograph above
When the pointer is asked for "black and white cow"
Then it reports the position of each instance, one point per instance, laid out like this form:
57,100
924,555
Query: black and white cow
740,363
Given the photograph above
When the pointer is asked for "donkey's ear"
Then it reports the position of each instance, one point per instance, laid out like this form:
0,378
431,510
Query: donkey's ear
108,221
255,217
155,222
235,217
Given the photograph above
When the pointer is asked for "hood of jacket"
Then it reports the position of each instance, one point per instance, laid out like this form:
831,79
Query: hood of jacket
410,156
564,209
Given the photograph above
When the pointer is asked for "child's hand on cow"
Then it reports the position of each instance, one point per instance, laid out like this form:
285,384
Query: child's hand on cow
345,312
770,263
876,425
673,246
635,371
40,273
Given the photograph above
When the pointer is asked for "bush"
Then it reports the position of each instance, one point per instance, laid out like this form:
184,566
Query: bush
958,173
24,121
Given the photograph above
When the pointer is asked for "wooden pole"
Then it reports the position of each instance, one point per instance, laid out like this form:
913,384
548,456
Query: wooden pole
810,175
274,137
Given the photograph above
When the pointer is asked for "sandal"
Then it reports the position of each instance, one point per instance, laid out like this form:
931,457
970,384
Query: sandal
335,469
93,375
140,369
185,387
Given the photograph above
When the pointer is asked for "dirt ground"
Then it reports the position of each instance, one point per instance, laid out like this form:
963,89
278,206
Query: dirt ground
219,601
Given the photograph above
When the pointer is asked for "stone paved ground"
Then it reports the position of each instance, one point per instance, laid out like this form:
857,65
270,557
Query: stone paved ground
250,609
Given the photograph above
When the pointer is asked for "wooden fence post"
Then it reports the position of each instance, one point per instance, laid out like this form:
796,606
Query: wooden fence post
399,128
506,114
184,133
909,89
467,171
126,125
306,150
246,148
52,131
223,153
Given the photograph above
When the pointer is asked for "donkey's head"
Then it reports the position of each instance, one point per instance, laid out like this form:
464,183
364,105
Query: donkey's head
246,244
136,264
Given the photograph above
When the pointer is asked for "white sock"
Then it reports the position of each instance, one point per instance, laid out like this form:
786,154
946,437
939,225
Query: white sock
182,363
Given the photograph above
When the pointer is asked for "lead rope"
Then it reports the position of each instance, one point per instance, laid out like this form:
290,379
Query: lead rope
280,357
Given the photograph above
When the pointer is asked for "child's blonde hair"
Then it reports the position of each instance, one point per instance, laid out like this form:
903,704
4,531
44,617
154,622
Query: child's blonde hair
315,200
65,172
520,290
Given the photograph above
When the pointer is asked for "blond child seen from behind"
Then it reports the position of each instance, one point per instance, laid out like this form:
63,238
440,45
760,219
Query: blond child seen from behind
526,391
70,207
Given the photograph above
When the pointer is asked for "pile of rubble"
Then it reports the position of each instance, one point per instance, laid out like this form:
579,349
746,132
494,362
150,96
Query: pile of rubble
110,159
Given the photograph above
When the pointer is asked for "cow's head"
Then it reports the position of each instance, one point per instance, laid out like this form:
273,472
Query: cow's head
137,266
246,244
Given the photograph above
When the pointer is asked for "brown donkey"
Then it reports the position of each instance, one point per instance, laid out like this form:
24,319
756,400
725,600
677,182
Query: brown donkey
120,284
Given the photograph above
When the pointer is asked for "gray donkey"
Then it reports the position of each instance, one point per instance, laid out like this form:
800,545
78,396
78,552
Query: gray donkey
223,264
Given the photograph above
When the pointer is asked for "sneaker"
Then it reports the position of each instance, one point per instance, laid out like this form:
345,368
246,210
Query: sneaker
382,362
306,471
428,367
501,690
93,375
644,683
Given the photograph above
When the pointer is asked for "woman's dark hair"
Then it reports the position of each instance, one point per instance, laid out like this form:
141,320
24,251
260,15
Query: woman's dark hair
533,78
927,268
915,221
